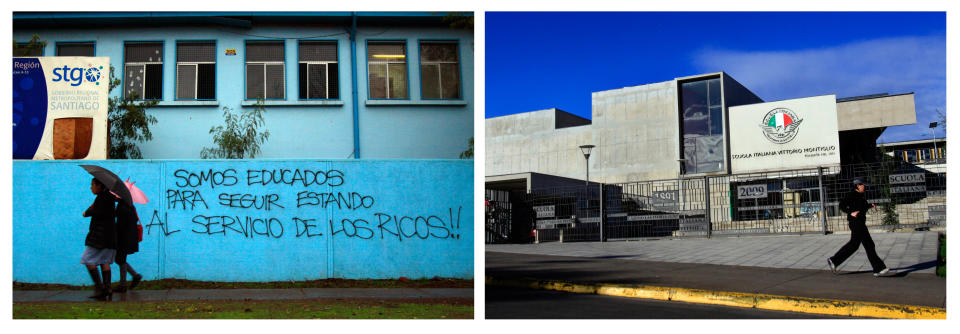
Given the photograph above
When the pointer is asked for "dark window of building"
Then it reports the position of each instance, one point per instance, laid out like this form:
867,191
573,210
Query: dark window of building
75,49
318,70
702,126
23,50
439,70
265,70
196,70
143,70
387,70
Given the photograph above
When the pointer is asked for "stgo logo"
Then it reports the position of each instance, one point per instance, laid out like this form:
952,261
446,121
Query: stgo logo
75,76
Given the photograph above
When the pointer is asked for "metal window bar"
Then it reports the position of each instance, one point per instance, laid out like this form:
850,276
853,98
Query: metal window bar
75,49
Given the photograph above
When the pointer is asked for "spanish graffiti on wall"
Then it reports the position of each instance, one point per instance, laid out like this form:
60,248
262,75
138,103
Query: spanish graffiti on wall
258,220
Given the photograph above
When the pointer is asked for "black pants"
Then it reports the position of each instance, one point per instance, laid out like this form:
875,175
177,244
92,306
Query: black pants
859,235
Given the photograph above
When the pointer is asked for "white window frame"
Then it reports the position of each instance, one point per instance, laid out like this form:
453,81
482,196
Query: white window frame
143,89
196,77
437,63
126,64
406,53
326,65
263,65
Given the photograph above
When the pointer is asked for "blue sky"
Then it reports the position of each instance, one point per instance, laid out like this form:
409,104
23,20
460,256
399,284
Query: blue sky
537,61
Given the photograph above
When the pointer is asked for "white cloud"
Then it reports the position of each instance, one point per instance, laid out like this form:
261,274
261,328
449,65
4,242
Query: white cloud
889,65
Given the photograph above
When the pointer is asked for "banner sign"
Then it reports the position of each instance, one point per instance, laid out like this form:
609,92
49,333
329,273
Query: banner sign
907,178
60,107
544,211
752,191
788,134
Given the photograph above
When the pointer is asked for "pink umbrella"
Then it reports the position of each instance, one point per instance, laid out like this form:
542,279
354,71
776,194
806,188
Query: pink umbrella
136,193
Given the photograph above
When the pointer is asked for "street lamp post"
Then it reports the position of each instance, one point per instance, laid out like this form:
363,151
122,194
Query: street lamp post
933,130
586,149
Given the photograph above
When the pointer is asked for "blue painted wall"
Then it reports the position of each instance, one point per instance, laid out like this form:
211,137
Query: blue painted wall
408,129
302,235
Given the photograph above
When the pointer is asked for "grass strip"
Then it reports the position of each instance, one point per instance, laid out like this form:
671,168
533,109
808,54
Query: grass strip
339,308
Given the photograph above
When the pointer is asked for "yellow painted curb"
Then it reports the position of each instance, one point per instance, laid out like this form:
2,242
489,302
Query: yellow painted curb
736,299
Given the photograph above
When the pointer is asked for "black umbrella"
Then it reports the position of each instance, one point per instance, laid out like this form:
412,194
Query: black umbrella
111,181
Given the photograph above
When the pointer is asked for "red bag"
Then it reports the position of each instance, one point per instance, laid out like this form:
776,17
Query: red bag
139,232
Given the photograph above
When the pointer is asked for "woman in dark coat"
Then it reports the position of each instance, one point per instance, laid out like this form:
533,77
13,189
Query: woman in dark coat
101,240
127,243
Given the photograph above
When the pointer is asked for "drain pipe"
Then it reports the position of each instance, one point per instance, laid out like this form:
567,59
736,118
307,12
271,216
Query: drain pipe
356,100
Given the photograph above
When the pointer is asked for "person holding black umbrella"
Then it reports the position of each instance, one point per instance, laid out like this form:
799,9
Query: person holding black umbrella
127,243
101,240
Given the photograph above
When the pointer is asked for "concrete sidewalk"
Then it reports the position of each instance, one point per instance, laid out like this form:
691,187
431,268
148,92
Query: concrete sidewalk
242,294
788,268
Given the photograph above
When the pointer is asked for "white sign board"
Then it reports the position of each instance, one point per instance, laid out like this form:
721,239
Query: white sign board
752,191
906,178
789,134
70,89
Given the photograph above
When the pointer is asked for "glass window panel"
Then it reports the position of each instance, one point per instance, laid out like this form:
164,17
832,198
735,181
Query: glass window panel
206,81
709,154
21,51
317,51
386,51
450,80
713,87
716,120
302,78
378,81
204,51
254,81
153,84
333,82
186,81
318,76
438,52
133,81
398,81
75,50
265,51
275,82
143,52
430,80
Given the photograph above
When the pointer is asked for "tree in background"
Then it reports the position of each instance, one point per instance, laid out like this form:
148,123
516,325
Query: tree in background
241,137
25,50
128,122
468,154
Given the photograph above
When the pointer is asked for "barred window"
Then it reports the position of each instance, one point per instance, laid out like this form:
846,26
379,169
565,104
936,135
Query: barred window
439,70
319,73
265,70
24,50
75,49
196,70
387,70
143,70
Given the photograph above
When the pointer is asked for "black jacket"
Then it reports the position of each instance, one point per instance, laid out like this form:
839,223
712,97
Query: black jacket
126,229
855,201
103,233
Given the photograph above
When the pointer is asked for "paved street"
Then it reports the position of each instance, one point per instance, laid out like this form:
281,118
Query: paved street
913,250
513,303
792,266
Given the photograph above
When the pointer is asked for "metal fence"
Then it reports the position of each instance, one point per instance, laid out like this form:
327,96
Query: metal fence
781,202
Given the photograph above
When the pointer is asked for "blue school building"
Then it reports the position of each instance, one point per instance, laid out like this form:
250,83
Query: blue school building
336,85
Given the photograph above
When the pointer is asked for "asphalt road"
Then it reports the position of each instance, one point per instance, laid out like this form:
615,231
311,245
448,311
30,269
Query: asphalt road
513,303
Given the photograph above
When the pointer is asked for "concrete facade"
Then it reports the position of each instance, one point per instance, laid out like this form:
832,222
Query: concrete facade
637,132
412,128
